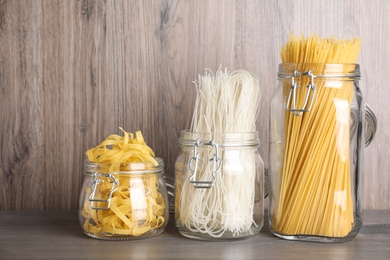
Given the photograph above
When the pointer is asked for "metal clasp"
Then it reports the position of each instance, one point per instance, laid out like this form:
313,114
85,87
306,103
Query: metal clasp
311,90
194,163
96,180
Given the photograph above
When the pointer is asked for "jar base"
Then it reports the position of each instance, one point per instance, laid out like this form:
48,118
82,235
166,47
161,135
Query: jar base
111,237
320,239
227,236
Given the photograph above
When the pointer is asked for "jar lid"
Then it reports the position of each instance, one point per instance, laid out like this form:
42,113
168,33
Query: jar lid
319,70
125,168
248,139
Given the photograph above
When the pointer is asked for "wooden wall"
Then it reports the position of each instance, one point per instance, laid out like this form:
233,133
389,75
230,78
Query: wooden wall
72,72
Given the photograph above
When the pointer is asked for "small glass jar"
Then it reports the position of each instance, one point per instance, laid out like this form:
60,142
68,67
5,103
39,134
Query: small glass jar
317,138
219,186
128,204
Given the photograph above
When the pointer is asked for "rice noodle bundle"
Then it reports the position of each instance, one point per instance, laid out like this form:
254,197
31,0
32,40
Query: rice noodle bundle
226,103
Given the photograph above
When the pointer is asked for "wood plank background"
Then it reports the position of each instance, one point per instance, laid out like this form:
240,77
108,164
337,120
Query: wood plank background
72,72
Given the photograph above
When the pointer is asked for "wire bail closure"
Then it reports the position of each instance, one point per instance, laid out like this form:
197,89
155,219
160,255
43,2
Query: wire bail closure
194,161
96,180
310,93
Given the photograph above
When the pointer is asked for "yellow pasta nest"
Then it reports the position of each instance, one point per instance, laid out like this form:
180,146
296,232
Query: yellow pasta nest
137,205
116,150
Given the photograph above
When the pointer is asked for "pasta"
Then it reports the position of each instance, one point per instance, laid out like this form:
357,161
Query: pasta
137,205
314,194
117,150
226,103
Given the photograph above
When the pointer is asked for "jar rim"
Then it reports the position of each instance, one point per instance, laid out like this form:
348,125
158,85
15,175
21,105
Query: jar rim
243,139
91,168
320,70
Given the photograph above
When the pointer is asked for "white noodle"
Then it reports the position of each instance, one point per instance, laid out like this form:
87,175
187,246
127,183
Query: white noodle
226,103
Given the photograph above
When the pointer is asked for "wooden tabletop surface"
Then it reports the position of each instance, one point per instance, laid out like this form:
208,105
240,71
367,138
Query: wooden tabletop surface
58,235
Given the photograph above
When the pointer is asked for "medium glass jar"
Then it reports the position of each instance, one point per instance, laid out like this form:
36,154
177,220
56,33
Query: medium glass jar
219,186
129,204
317,137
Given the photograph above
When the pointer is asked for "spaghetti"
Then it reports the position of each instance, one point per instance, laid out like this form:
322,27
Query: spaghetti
314,194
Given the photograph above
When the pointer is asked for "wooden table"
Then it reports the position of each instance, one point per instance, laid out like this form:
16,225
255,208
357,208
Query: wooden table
58,235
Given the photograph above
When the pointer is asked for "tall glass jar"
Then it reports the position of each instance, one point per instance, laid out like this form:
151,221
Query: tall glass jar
317,137
219,186
129,204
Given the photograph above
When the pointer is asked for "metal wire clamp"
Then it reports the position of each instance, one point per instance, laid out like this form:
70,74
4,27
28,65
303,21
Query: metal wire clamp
194,163
96,180
291,104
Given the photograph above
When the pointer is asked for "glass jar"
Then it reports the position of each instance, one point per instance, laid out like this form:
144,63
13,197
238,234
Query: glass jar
129,204
317,131
219,186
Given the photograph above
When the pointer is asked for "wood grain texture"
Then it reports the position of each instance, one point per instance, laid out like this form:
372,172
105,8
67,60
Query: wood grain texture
72,72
